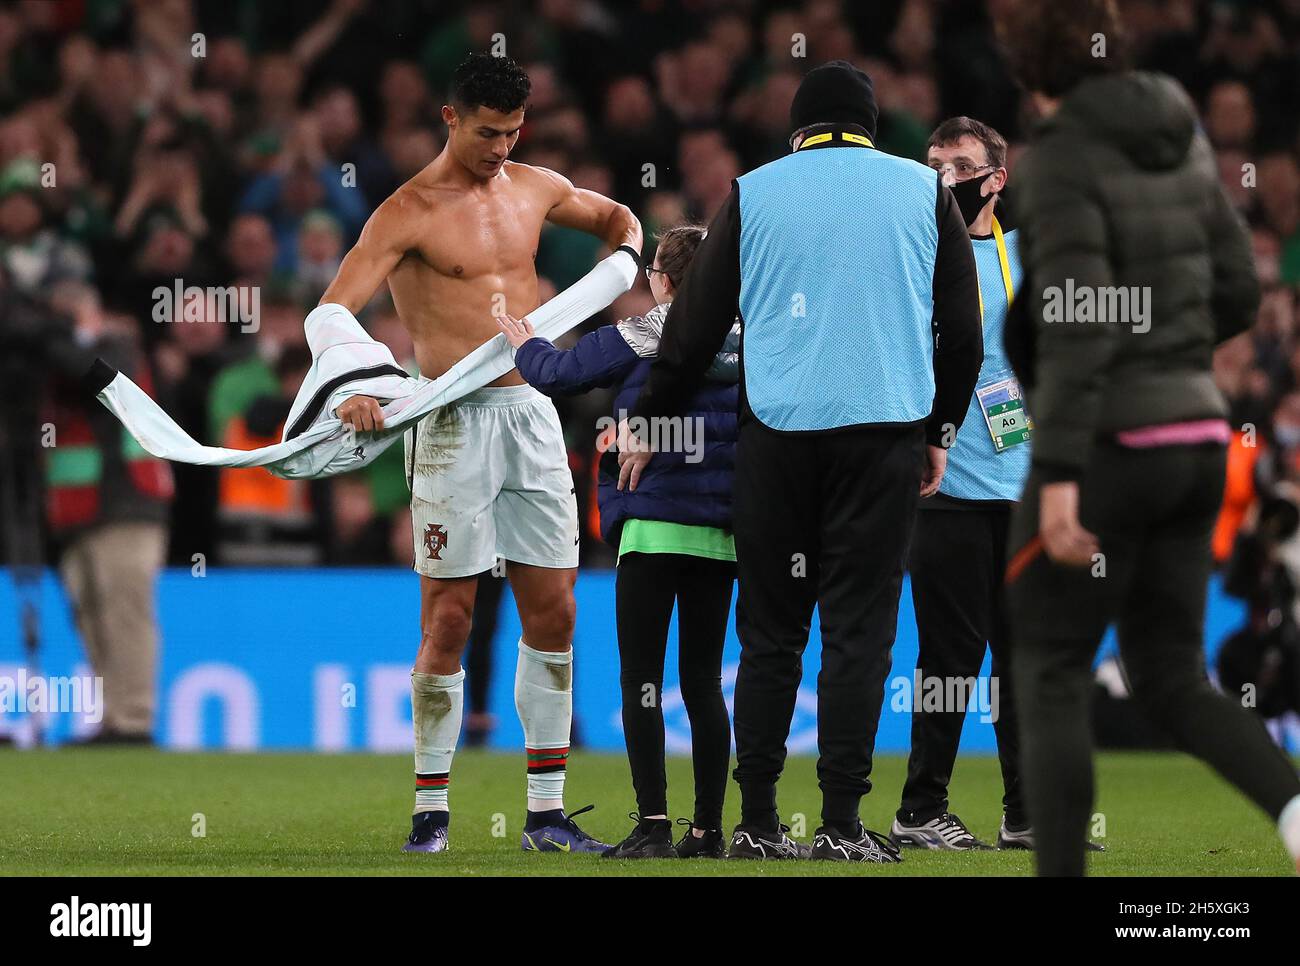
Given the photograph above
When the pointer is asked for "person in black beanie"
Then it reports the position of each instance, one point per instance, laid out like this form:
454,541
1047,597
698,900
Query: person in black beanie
835,93
854,279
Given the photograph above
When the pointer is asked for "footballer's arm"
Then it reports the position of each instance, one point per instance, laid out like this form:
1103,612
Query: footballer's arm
606,219
383,242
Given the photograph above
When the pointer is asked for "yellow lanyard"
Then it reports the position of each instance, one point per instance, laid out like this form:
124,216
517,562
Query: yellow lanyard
1005,262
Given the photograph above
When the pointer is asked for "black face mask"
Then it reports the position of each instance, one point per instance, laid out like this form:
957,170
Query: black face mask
968,197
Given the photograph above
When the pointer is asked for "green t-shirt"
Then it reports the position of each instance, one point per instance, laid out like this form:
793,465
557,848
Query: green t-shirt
658,536
234,390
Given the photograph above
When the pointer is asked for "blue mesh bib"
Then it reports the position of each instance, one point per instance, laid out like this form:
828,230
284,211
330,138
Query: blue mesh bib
837,251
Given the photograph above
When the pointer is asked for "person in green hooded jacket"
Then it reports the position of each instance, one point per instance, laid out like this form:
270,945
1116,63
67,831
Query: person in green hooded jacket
1136,268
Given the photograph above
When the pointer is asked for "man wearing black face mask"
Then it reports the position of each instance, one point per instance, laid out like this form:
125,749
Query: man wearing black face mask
958,551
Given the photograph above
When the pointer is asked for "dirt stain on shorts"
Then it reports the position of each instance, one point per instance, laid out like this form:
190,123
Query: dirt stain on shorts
440,440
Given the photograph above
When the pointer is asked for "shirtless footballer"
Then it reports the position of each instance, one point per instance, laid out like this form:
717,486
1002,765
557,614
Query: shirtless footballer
489,473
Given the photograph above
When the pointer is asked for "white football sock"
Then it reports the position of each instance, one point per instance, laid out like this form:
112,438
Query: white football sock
436,702
544,700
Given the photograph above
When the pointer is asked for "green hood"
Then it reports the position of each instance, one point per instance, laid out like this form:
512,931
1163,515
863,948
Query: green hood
1147,116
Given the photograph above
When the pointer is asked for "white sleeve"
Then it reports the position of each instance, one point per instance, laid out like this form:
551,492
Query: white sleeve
160,435
163,437
610,278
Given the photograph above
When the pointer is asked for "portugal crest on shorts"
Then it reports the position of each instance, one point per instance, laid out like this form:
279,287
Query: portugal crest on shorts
435,538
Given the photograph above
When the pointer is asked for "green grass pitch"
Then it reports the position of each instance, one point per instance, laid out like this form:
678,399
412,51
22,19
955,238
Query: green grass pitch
133,812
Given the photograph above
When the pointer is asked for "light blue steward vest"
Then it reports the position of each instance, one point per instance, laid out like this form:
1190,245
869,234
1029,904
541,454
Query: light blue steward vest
977,471
837,249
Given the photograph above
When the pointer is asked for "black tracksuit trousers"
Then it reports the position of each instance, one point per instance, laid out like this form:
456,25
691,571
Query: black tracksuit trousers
820,519
645,589
1153,511
957,562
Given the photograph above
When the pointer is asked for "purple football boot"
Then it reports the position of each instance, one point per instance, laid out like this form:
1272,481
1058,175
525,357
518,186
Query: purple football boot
428,832
558,832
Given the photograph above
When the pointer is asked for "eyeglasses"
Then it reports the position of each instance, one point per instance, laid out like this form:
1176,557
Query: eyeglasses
653,271
961,170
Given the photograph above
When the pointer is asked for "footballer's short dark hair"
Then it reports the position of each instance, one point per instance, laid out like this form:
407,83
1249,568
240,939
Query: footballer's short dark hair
494,82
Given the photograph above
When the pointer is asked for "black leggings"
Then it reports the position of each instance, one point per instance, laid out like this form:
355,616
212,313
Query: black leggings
646,587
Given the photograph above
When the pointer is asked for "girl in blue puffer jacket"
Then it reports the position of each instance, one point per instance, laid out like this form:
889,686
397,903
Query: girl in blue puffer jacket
673,533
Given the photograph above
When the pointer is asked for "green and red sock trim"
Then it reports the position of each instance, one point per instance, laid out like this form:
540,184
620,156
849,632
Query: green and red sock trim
432,780
544,760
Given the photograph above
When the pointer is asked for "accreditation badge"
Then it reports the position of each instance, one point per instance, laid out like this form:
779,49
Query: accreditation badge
1004,413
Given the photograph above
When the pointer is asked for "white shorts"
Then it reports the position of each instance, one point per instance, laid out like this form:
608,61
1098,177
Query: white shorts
489,477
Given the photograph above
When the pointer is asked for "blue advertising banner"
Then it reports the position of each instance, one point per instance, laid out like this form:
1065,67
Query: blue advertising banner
320,659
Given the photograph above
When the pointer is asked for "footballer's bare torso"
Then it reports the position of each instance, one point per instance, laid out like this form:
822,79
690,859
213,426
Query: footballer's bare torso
472,259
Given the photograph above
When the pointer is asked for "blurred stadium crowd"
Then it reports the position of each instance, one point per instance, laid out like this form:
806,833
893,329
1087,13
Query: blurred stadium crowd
216,143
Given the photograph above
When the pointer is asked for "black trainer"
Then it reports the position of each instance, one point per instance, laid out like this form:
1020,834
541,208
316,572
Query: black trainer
863,845
710,845
753,843
652,838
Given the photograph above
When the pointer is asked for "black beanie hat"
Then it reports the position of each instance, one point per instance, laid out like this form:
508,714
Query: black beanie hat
835,93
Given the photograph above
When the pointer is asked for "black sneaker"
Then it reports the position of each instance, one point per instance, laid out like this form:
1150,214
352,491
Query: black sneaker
752,843
863,845
947,833
710,845
651,839
1023,838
